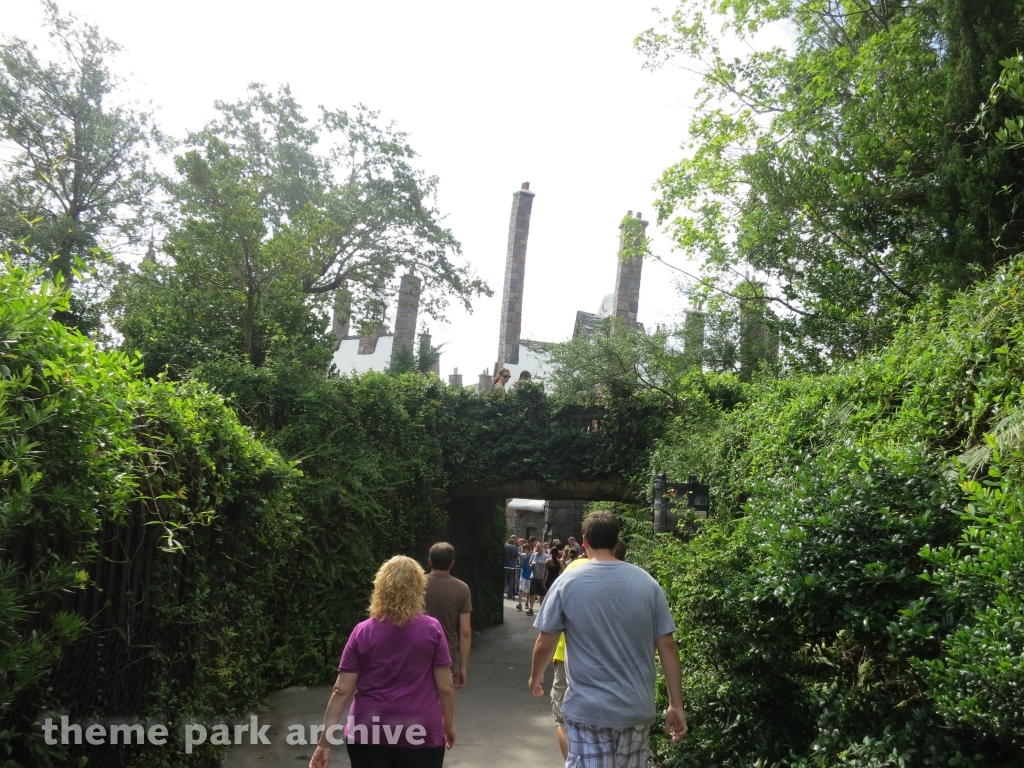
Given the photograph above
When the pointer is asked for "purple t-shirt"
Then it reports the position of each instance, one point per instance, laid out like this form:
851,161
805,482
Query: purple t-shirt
396,682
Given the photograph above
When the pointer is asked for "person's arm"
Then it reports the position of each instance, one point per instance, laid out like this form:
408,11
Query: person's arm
543,651
446,695
465,641
341,693
675,717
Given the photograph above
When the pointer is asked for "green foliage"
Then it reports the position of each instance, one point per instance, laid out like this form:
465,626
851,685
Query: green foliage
142,536
427,355
175,326
272,214
529,435
403,360
838,608
979,580
79,172
619,358
372,486
423,360
844,166
157,561
618,362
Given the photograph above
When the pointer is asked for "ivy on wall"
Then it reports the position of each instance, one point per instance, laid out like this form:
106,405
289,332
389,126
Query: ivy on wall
170,551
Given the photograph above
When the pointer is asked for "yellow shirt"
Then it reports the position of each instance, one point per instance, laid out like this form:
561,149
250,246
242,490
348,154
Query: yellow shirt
560,649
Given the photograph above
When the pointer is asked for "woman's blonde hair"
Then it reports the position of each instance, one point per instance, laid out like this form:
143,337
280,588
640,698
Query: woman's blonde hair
398,590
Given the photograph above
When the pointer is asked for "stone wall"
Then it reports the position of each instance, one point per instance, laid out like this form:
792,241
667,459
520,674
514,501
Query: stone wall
564,519
558,520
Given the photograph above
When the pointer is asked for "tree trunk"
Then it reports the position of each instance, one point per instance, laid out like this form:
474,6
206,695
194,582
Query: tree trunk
249,321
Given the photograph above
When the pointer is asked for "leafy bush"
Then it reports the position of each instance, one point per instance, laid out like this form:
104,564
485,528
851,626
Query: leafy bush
838,608
979,677
142,532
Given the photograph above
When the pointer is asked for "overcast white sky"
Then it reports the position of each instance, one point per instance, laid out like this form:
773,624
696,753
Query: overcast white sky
491,94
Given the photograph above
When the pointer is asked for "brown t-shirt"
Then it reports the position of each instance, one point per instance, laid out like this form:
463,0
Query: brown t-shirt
447,598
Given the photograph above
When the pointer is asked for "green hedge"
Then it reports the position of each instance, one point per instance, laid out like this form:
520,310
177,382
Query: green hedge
142,532
844,605
171,551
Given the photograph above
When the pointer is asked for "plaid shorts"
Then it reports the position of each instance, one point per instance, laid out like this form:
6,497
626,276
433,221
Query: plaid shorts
593,746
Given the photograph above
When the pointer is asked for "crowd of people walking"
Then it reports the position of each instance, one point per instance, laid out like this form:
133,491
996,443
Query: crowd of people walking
600,621
531,567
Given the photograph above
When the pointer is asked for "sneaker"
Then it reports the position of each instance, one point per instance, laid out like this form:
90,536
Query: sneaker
530,612
519,606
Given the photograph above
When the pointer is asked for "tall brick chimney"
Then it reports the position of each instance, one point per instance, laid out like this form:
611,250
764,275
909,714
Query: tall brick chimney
341,316
758,340
515,267
405,317
693,336
425,345
626,301
376,311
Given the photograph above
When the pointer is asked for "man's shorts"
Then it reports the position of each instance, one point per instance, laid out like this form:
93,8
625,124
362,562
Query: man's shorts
592,746
524,586
537,587
558,691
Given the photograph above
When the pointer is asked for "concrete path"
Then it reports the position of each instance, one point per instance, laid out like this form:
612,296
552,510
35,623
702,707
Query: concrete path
498,724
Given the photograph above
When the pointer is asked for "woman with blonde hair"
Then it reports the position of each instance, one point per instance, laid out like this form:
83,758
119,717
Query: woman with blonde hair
403,713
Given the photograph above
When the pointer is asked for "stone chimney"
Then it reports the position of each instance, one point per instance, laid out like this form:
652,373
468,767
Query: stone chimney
376,311
425,338
342,314
455,380
484,382
626,301
693,336
405,318
515,267
758,340
150,256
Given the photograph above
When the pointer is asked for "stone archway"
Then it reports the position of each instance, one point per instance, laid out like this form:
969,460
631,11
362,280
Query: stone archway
476,524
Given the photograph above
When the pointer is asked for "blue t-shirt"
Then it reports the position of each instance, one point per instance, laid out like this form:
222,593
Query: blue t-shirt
524,566
612,613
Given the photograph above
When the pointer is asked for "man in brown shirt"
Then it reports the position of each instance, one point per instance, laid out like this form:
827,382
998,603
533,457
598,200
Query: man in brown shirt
449,602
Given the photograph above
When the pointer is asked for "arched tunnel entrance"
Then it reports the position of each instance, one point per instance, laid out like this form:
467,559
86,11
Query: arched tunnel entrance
476,528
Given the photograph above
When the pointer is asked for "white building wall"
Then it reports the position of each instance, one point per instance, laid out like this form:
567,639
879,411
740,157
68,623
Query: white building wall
347,361
536,362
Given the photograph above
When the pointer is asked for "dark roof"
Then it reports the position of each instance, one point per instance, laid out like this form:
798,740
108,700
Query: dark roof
538,346
584,323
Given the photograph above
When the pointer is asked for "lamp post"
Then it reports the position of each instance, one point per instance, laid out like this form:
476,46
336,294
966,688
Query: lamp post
669,496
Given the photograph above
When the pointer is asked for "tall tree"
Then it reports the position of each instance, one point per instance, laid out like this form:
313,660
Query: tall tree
77,178
273,213
842,167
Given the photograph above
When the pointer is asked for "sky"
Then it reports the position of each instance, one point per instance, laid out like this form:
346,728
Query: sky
491,95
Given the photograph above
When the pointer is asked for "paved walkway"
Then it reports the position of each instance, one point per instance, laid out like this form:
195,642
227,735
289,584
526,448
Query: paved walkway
498,724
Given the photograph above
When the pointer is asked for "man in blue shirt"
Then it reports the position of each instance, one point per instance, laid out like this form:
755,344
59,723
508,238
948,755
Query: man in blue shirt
614,616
